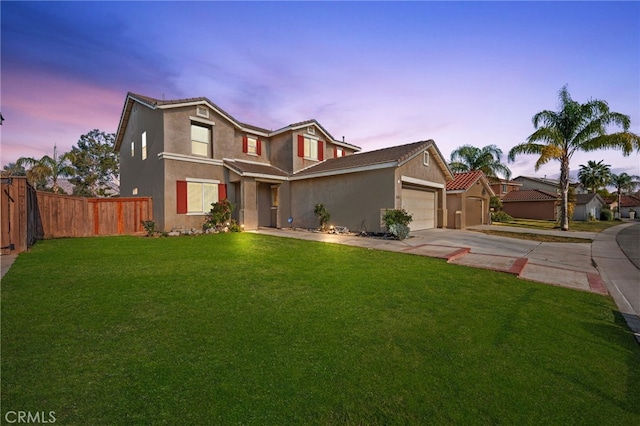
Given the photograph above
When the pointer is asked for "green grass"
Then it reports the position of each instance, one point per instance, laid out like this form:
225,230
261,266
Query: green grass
586,226
250,329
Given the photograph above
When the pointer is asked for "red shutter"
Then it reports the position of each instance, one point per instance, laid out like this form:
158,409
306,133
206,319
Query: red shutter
181,196
335,152
300,146
259,147
222,191
245,144
320,150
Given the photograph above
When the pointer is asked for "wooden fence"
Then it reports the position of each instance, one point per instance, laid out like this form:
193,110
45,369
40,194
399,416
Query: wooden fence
28,215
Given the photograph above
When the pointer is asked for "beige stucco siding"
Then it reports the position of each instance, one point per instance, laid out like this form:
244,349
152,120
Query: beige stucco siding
354,200
429,177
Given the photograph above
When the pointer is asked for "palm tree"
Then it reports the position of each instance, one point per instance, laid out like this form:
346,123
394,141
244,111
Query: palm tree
575,127
45,168
12,169
594,175
487,159
624,183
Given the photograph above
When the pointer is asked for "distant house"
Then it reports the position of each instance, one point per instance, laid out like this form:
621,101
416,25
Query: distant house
468,197
502,187
531,204
544,184
588,206
628,203
189,153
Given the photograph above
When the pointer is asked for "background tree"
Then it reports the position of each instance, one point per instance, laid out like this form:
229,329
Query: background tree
594,175
487,159
624,183
13,169
575,127
40,171
96,165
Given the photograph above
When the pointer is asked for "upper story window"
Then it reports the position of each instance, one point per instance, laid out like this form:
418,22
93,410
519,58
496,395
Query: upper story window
504,188
425,158
251,145
310,148
200,139
311,130
133,149
202,111
338,152
144,145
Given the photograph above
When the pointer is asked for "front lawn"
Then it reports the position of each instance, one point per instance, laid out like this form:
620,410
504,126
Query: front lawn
251,329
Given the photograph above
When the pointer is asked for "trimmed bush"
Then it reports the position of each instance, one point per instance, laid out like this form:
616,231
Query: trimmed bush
606,214
501,217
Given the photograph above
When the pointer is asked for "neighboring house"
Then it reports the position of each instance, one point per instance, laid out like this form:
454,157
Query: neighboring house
502,187
628,203
588,206
531,204
468,197
544,184
189,153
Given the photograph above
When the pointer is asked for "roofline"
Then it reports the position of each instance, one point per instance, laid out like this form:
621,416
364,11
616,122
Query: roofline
345,170
258,131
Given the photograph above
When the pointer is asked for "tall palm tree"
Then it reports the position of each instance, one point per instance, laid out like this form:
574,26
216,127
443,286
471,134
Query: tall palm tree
575,127
594,175
47,167
624,183
486,159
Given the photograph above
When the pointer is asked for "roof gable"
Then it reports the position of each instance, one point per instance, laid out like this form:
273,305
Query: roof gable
464,181
587,198
380,158
179,103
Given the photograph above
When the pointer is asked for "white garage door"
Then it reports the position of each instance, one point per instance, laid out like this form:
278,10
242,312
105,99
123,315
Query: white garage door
422,206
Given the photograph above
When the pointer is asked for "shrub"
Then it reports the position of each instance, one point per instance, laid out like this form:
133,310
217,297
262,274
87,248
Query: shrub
219,215
397,222
323,215
234,227
606,214
501,217
149,226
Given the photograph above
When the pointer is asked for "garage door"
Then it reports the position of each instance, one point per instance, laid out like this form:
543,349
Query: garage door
420,205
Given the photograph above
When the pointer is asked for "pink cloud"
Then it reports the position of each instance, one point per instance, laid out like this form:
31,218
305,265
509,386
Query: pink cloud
41,110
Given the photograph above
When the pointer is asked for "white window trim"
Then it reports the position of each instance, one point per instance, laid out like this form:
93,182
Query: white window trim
201,181
133,149
311,151
311,130
202,120
204,113
426,158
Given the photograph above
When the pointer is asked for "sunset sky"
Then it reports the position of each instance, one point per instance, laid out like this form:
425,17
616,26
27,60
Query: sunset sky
378,73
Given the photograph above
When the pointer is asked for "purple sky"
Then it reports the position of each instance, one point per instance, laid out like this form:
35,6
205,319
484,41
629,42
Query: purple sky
379,74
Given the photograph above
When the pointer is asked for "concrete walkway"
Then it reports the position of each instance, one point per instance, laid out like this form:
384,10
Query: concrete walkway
600,267
6,260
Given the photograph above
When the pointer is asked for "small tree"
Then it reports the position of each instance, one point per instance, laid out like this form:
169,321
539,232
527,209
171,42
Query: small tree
323,215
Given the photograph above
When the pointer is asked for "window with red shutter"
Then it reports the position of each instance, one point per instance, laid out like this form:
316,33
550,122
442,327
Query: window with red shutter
300,146
245,144
259,147
320,150
222,191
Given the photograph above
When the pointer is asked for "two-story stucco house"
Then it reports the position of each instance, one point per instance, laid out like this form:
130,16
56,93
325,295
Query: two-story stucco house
189,153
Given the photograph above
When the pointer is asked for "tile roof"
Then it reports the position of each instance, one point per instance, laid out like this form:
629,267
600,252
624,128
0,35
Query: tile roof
464,181
629,201
394,154
244,168
529,195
